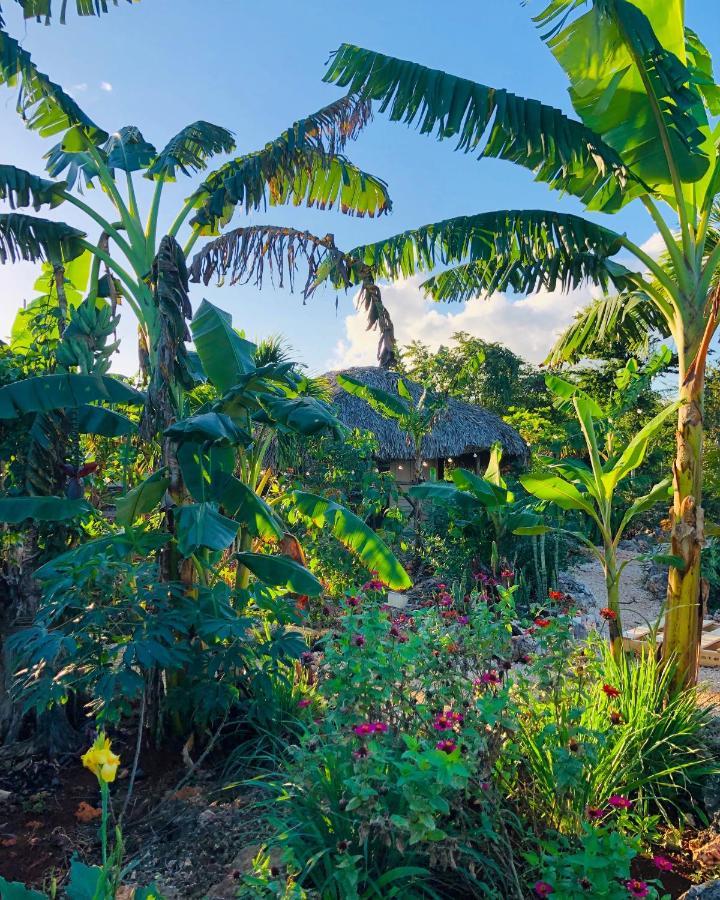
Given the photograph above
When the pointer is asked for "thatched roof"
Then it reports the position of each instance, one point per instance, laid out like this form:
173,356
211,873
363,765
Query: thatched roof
461,427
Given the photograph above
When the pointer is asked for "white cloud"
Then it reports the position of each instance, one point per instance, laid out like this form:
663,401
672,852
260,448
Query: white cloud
105,86
654,245
81,88
528,325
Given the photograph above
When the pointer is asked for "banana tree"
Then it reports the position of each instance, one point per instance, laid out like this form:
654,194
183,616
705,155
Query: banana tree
221,450
573,485
304,165
42,10
643,90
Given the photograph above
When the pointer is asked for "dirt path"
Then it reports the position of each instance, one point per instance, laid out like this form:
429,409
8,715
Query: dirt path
638,605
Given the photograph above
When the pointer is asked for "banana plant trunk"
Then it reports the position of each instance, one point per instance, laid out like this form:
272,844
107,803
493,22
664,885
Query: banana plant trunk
612,585
684,615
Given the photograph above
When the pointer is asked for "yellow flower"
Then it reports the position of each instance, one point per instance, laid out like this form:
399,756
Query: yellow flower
100,759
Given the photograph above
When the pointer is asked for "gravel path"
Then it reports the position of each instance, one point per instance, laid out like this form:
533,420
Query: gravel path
638,605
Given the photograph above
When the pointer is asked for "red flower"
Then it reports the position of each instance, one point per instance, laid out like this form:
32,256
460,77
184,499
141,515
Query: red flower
555,595
608,614
662,863
447,746
373,585
363,729
615,717
542,623
637,888
543,889
507,574
620,802
610,691
303,703
379,727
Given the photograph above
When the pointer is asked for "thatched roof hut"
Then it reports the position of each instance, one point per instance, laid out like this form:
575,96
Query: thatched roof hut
463,433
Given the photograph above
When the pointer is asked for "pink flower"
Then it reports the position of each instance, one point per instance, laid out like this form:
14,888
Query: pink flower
507,574
637,888
363,729
662,863
361,753
543,889
447,746
447,721
620,802
490,677
379,727
353,602
592,812
303,703
373,585
462,620
358,640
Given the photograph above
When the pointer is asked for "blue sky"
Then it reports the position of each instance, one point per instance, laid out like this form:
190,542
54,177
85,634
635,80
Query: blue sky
255,68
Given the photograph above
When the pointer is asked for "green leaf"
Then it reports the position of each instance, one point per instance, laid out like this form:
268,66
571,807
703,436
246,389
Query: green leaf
14,890
661,491
302,166
557,490
21,188
491,495
201,525
44,393
189,150
626,62
301,415
531,530
634,453
43,9
353,534
126,150
201,466
33,239
84,881
14,510
224,355
244,505
142,499
700,66
117,546
280,571
384,402
209,428
43,105
490,122
566,390
104,422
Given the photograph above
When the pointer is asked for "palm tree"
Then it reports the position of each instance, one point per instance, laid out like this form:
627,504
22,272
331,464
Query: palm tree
642,86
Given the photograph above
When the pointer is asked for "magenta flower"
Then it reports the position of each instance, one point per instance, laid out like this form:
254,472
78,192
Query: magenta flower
363,729
373,585
353,602
462,620
490,677
303,703
619,802
543,889
446,721
358,640
637,888
379,727
592,812
447,746
361,753
662,863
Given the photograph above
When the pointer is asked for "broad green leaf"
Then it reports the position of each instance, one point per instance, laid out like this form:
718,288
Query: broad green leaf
33,239
489,494
557,490
201,466
281,571
661,491
385,402
532,530
117,546
142,499
104,422
44,393
626,62
584,408
566,390
44,106
15,890
301,415
14,510
403,391
21,188
245,506
43,9
127,150
493,472
84,881
201,525
209,428
224,355
634,453
354,534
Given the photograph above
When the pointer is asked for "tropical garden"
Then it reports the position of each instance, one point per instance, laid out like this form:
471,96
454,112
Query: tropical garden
255,643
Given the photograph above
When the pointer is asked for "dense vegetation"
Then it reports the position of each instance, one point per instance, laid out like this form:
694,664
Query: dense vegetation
202,564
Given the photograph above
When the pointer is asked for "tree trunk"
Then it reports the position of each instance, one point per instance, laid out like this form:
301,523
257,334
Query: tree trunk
612,585
684,616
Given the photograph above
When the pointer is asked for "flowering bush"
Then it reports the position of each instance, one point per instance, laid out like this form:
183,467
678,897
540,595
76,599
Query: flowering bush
395,774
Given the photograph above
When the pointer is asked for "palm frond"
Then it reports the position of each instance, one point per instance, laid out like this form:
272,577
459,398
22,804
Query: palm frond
44,106
20,188
190,149
625,320
560,151
32,239
523,249
303,166
42,10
